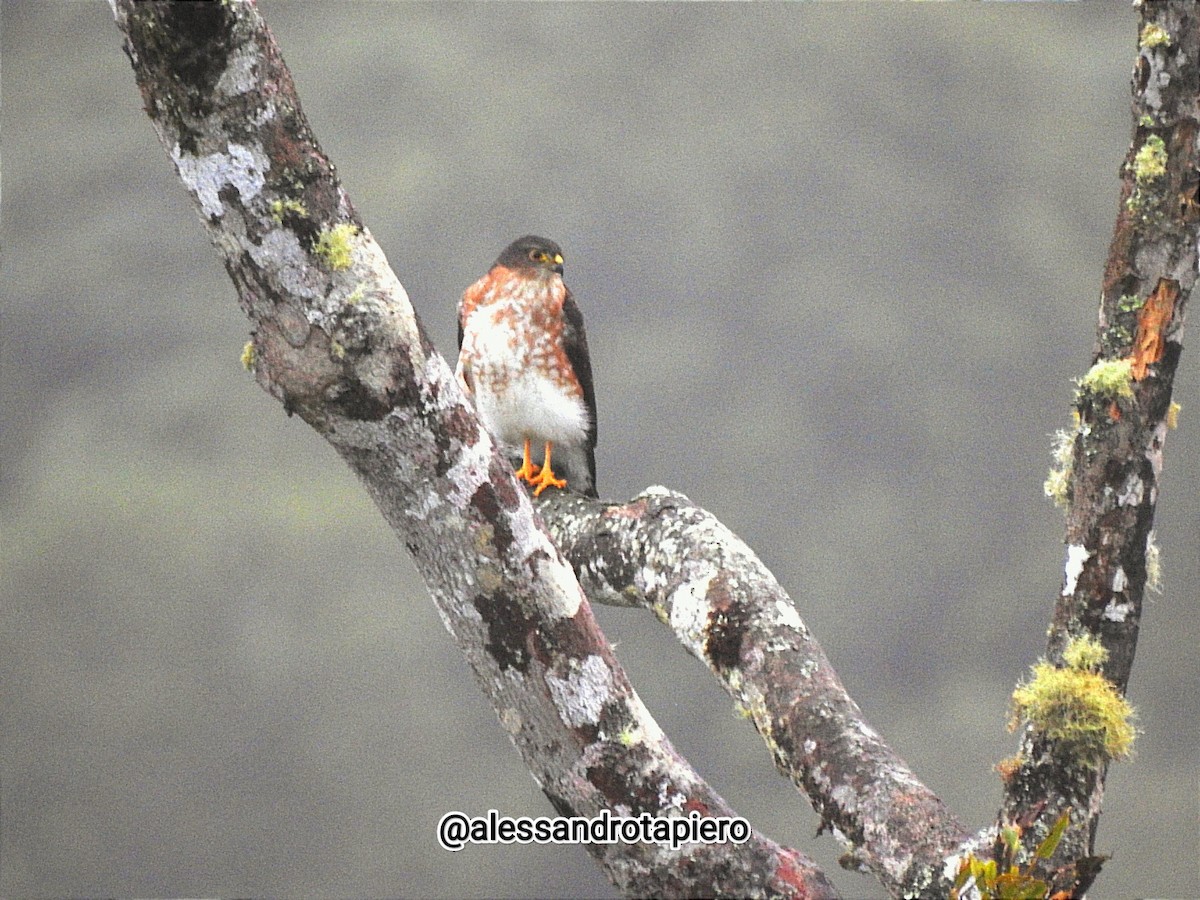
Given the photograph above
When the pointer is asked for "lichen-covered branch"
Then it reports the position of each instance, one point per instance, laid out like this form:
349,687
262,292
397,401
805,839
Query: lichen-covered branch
1110,462
336,341
662,552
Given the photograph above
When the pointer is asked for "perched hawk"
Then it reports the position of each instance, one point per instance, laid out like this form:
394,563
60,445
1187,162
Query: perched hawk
524,357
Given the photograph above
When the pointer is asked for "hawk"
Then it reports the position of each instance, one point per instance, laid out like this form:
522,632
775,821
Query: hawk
523,356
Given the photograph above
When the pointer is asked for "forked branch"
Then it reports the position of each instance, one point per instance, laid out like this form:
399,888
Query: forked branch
337,342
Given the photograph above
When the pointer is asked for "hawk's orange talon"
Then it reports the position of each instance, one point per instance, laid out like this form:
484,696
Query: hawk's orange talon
546,478
529,470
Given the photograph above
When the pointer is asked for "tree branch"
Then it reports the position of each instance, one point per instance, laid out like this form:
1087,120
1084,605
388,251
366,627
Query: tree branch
1112,459
337,342
661,552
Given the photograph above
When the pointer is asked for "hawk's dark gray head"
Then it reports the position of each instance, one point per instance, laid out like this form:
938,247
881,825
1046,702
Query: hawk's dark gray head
532,252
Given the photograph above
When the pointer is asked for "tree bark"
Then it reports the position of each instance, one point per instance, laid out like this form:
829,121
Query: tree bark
662,552
337,342
1116,450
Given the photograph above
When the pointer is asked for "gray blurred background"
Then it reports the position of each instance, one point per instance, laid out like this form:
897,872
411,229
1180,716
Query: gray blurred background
839,266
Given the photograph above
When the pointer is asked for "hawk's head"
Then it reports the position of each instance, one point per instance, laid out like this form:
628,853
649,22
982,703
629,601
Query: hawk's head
532,255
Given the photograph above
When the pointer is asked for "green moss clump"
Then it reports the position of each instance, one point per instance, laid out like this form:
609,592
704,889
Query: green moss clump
1149,167
1130,303
1109,378
1085,654
1076,707
333,246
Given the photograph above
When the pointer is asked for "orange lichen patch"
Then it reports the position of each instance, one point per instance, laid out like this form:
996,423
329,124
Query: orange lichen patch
1152,322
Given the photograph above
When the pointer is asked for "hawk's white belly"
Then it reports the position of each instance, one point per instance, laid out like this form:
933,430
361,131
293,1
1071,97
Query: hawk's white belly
516,395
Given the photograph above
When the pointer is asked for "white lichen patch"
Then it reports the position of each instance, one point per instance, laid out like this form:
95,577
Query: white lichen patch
657,490
468,472
647,729
1131,492
205,176
240,75
788,616
1117,612
564,593
1120,581
689,611
559,593
845,797
280,252
582,694
266,113
1153,565
427,503
1154,451
1077,556
510,719
670,801
867,733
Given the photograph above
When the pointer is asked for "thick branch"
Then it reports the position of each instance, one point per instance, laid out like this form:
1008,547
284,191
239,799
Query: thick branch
337,342
664,553
1123,409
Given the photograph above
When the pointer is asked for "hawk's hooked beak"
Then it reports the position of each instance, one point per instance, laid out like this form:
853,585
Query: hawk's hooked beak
558,263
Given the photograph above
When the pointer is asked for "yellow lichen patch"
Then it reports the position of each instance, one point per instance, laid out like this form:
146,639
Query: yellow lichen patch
1085,653
1059,479
1152,323
1154,36
249,357
1076,708
333,246
1109,378
629,736
279,207
1150,162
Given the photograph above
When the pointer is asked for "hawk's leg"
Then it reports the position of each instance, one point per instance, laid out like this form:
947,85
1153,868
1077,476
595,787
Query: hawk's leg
546,477
529,469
